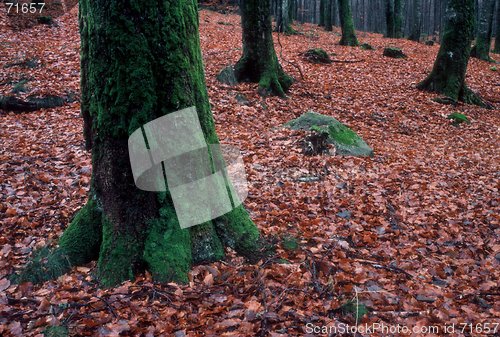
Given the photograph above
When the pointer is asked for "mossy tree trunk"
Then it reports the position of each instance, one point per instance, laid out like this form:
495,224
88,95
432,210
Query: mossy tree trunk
259,63
140,61
485,29
448,75
284,17
347,24
416,28
398,18
497,34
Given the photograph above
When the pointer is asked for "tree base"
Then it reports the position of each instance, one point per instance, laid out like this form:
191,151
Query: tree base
481,55
271,77
349,41
167,251
454,91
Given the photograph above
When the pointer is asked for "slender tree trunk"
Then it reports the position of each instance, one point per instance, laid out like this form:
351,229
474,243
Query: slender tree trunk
328,15
497,34
416,29
347,24
322,6
448,75
283,17
334,13
136,68
389,16
398,18
485,29
259,62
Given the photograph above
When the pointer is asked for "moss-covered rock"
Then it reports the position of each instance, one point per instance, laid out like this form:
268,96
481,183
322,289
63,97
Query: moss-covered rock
393,52
317,55
345,140
458,118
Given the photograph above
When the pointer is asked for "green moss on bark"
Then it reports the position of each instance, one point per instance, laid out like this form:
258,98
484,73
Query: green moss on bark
120,255
347,24
80,242
167,250
138,67
239,232
259,63
448,74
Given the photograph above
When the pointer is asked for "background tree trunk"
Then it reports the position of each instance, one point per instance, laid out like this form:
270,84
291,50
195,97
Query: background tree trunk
328,15
322,11
284,17
259,62
416,29
347,24
484,31
136,68
389,15
497,34
398,18
448,75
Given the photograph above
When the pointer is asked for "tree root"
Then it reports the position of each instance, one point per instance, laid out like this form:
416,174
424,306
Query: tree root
166,250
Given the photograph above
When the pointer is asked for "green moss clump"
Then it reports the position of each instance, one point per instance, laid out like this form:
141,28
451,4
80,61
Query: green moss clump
494,68
237,231
290,243
82,239
45,264
458,118
56,331
343,134
118,256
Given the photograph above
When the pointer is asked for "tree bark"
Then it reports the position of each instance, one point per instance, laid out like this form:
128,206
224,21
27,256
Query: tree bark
284,17
416,29
497,34
389,16
347,24
484,31
141,61
259,62
328,15
448,75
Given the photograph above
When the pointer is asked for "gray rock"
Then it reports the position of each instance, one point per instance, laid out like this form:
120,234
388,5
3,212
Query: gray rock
345,140
227,76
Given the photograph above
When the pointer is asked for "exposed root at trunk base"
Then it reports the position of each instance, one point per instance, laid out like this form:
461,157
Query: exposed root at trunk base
456,92
271,78
166,250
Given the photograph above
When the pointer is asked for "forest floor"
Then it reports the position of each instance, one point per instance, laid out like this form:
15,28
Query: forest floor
411,234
